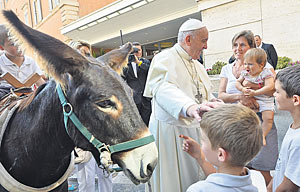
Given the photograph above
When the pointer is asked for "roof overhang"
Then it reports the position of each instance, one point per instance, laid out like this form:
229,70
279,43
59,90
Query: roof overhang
145,21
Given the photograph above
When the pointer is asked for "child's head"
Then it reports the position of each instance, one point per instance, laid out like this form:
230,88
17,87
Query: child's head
233,129
287,87
9,48
255,60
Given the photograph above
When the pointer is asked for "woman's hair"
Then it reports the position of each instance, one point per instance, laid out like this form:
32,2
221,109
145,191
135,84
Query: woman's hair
248,35
257,54
236,129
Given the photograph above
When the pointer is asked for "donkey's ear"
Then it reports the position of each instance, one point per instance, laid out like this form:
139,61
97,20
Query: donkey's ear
55,57
117,58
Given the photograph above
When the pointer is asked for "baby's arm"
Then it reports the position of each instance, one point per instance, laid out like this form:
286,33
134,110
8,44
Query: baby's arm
239,84
193,149
268,86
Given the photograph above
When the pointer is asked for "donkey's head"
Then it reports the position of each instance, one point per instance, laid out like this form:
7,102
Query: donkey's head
100,98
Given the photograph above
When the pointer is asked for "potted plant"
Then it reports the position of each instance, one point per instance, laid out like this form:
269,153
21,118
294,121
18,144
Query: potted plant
214,74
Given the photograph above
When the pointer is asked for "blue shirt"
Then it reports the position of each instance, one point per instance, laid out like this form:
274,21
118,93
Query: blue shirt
225,183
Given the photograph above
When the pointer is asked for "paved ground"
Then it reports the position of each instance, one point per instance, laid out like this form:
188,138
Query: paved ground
122,184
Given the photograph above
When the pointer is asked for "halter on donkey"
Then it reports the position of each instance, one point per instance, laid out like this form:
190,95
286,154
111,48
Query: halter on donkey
36,148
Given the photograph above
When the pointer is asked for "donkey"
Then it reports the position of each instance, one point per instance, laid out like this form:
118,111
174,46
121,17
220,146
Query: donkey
36,147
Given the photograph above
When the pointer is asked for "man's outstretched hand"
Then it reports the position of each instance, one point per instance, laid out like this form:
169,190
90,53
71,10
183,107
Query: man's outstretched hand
197,110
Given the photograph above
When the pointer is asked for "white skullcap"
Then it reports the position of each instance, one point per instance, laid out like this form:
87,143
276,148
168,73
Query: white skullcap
190,25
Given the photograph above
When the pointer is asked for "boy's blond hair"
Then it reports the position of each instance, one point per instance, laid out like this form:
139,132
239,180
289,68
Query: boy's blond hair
236,129
3,34
257,54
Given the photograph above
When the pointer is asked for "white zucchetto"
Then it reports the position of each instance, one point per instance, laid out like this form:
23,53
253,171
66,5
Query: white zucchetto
190,25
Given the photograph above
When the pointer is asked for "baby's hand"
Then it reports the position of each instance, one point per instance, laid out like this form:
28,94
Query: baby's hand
251,92
245,90
190,146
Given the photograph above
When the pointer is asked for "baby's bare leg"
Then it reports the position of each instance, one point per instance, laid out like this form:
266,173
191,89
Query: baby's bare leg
268,118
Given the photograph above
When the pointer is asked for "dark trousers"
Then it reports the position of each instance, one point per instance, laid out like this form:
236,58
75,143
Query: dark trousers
145,109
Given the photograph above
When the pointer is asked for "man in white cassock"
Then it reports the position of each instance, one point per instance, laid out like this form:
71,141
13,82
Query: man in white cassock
180,89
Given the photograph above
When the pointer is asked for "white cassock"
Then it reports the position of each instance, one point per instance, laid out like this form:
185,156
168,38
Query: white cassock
171,86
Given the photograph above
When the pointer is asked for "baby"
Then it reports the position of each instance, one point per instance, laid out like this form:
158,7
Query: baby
255,72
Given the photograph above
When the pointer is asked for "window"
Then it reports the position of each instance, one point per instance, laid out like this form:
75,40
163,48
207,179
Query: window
37,11
56,2
34,12
39,8
1,4
26,19
25,11
50,5
53,4
153,48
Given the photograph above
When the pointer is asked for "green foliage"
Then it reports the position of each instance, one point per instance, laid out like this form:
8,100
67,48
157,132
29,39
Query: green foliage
216,68
283,62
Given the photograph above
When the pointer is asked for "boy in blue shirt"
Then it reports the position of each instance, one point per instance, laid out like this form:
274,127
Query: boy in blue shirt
231,135
287,96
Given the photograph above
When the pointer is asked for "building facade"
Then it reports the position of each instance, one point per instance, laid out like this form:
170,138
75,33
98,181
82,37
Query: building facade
49,16
154,23
277,22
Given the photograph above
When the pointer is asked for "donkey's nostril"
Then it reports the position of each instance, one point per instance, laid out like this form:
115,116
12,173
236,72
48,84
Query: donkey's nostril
149,169
146,173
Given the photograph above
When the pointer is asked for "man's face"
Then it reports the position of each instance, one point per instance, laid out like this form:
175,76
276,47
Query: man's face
139,53
257,41
198,42
11,50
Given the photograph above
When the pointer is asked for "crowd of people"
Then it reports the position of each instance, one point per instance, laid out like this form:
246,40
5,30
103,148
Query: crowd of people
229,157
228,143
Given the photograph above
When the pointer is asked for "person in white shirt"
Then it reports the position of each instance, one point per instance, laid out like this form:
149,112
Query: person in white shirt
287,96
15,62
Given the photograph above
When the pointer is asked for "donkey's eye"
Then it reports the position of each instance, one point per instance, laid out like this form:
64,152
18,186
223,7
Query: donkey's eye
111,106
106,104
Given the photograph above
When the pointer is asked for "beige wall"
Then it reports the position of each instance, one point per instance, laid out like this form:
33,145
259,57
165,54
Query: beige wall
88,6
47,26
278,22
